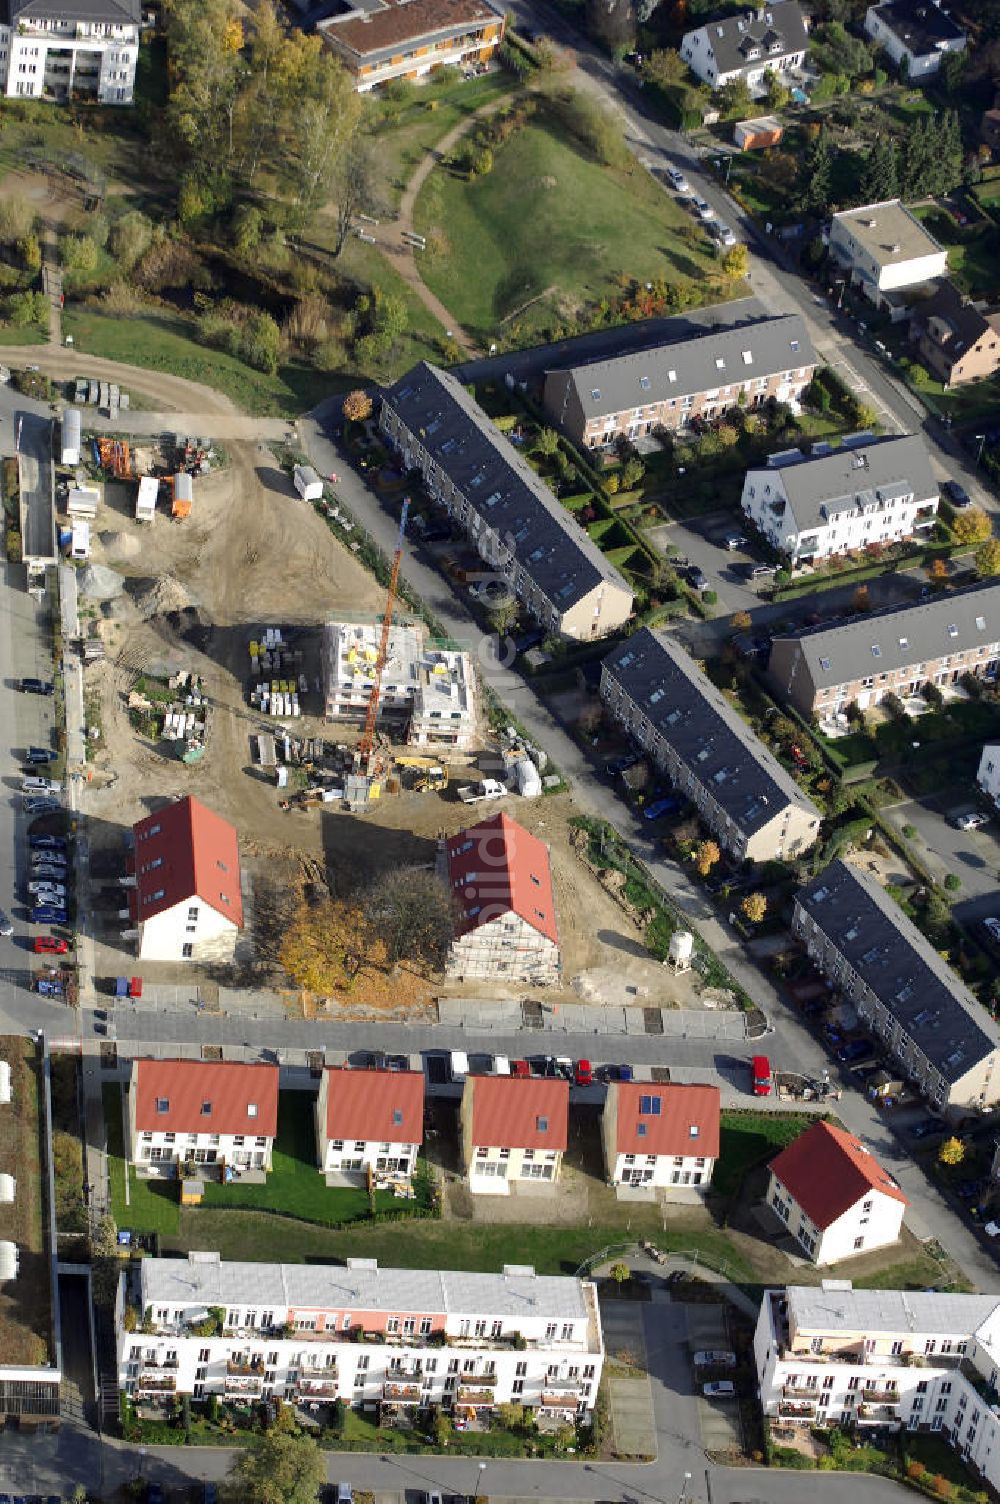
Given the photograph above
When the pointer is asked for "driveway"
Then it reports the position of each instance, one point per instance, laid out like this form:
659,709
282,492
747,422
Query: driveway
973,856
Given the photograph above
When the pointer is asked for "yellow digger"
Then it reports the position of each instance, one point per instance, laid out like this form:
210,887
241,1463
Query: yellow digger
429,774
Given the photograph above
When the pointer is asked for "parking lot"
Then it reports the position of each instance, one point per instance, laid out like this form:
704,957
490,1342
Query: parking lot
973,856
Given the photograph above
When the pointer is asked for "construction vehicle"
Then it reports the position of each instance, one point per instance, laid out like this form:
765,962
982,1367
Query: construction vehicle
429,775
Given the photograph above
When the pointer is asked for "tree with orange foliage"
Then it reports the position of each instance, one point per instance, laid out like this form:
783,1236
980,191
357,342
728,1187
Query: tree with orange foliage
357,406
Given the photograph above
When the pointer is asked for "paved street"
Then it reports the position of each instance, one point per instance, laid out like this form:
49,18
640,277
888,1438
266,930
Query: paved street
972,855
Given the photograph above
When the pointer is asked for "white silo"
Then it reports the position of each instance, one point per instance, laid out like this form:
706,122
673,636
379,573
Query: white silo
681,950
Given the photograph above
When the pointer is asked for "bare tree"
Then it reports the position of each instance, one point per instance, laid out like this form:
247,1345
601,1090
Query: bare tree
354,191
410,911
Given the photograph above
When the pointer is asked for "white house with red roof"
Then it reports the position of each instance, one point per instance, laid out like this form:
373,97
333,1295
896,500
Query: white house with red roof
514,1129
184,884
661,1138
369,1122
834,1196
501,885
208,1112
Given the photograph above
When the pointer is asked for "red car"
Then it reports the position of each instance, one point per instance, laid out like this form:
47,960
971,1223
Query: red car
48,945
520,1068
584,1073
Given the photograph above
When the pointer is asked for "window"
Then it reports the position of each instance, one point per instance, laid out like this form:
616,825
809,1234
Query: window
163,1104
206,1109
644,383
187,951
650,1107
192,912
251,1109
952,629
876,650
824,664
859,1242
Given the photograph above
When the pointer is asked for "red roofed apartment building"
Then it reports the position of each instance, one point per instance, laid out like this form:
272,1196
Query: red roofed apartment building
501,885
379,40
663,1138
206,1111
514,1129
834,1196
184,890
369,1121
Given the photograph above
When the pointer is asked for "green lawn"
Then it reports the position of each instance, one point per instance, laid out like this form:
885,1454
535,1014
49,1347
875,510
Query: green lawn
550,223
400,144
748,1139
973,251
152,1205
32,335
939,1458
166,342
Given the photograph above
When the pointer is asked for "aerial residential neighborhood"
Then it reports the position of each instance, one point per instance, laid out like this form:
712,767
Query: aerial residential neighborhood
500,907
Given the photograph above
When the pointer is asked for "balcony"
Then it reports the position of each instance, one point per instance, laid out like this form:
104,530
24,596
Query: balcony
401,1394
556,1386
325,1388
797,1409
254,1366
164,1384
247,1386
560,1401
880,1396
478,1399
877,1415
160,1363
805,1391
478,1380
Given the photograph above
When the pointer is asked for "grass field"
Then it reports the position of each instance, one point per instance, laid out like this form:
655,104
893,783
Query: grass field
24,1302
748,1139
402,142
33,335
550,224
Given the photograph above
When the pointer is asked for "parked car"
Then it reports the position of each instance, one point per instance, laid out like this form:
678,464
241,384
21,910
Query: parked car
48,874
46,913
6,928
49,858
525,641
703,210
40,806
37,785
48,843
46,885
584,1073
677,180
668,805
621,764
36,687
48,945
719,1389
957,495
715,1357
927,1128
722,233
734,541
760,571
697,578
37,756
992,928
520,1068
974,820
854,1050
345,1493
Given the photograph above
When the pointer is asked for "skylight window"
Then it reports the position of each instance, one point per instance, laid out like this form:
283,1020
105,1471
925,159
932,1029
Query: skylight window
824,664
980,623
397,1117
876,650
649,1107
596,393
640,1130
163,1104
671,375
693,1131
251,1109
904,642
795,344
542,1125
748,357
720,364
206,1109
644,383
952,629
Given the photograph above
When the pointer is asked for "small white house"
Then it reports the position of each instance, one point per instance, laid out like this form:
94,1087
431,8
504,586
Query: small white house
916,34
308,483
514,1129
988,776
206,1112
184,885
369,1123
664,1138
69,452
146,497
748,44
834,1196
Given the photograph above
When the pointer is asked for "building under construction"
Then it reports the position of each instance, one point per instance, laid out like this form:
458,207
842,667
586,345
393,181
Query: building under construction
426,696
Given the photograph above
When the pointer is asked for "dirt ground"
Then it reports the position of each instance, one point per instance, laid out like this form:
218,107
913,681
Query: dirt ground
197,591
54,201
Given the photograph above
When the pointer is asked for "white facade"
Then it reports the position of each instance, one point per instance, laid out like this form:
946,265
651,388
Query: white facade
922,60
153,1151
429,690
358,1155
189,931
988,776
872,1222
839,525
367,1336
698,52
57,59
884,249
505,948
670,1171
492,1169
922,1361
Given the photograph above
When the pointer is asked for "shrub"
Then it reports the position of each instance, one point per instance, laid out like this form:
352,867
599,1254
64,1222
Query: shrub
952,883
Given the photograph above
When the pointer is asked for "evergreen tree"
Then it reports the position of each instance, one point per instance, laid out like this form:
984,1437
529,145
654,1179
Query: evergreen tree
880,176
817,174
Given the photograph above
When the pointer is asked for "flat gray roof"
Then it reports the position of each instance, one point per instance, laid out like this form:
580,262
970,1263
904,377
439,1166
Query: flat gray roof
888,232
881,1312
951,623
707,733
501,486
901,967
203,1280
700,363
860,473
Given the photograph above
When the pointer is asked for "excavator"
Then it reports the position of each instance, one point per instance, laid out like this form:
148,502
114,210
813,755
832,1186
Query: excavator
431,776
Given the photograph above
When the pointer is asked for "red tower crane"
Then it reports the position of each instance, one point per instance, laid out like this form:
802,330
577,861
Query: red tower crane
367,742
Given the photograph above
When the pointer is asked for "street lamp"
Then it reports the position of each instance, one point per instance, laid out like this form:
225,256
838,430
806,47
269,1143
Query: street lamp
479,1482
684,1489
982,440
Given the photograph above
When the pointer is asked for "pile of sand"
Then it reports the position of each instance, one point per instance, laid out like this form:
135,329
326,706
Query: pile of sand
121,545
99,583
160,596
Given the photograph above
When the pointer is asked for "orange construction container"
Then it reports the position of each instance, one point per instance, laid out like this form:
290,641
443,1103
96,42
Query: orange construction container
183,495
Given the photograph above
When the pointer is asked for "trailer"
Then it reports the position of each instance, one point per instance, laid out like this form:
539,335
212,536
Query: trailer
79,543
82,502
69,451
183,495
308,483
145,501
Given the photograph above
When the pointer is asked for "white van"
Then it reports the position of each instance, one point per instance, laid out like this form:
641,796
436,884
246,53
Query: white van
39,786
501,1065
459,1065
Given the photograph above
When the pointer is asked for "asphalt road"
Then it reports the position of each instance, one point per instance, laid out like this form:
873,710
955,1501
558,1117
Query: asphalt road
33,435
972,855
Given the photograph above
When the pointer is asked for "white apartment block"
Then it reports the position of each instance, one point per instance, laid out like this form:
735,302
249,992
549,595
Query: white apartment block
369,1123
209,1113
88,51
833,1195
837,501
514,1130
884,249
397,1338
919,1360
427,693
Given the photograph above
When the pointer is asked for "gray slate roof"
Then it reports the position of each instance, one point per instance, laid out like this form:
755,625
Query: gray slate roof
953,623
901,968
733,36
862,471
499,483
880,1312
760,347
108,12
201,1280
919,24
707,734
